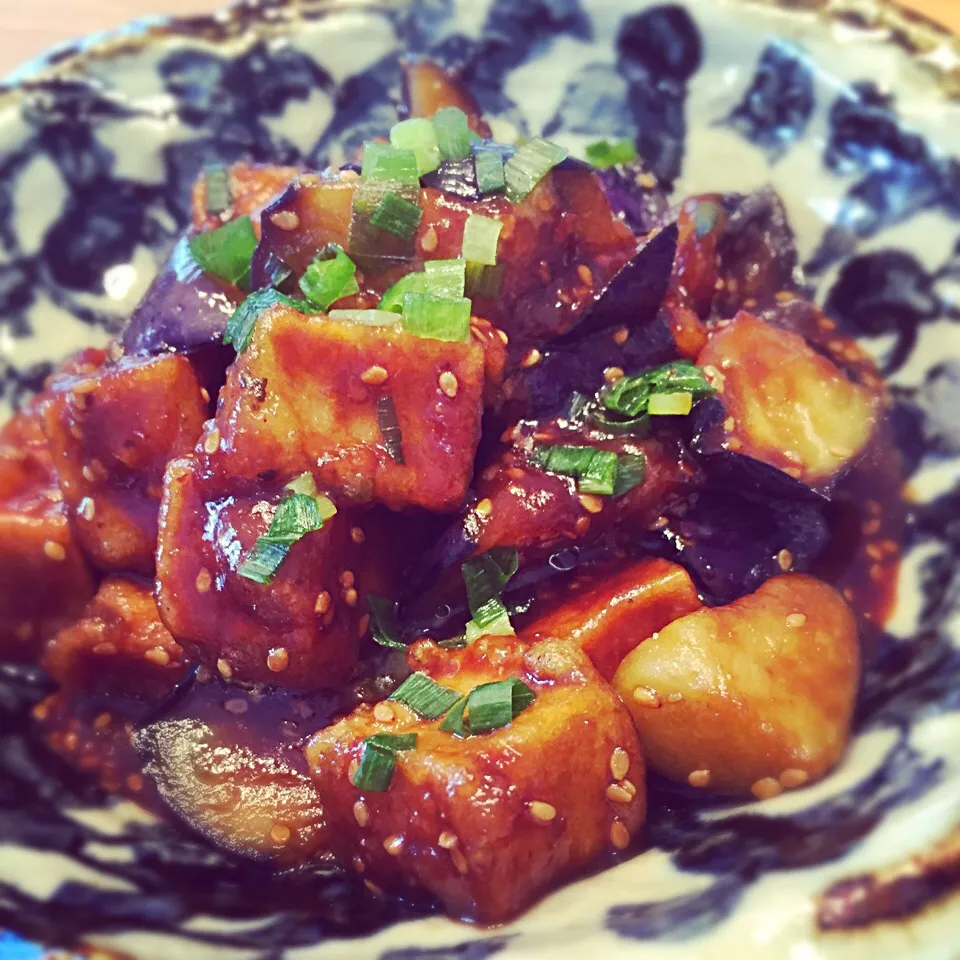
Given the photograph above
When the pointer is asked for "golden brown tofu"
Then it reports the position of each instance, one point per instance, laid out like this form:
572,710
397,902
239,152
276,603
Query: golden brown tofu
786,404
45,580
119,646
305,395
111,434
300,631
755,696
429,88
607,619
252,186
258,805
488,823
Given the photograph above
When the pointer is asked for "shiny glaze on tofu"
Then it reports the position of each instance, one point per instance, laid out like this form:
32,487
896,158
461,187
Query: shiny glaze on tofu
756,696
304,397
488,823
428,87
45,580
111,433
786,404
119,646
300,631
620,610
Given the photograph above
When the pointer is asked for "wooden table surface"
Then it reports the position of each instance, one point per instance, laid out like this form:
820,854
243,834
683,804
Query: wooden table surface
29,28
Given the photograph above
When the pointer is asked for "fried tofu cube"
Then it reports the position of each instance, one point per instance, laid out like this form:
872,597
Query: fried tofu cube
753,697
45,580
786,404
488,823
607,619
111,433
119,646
300,631
310,394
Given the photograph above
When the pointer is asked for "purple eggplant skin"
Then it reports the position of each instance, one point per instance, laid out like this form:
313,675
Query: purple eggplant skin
635,196
577,360
183,309
757,253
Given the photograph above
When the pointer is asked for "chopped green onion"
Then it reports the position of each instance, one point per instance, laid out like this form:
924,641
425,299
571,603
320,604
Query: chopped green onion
327,280
485,577
634,426
484,281
383,613
437,318
368,318
326,507
390,428
425,696
493,705
529,165
419,136
445,278
631,472
453,133
241,324
379,759
480,238
227,251
496,623
397,216
630,396
411,283
604,154
455,722
490,173
218,193
670,404
387,164
570,461
454,643
368,240
305,484
295,517
488,707
601,475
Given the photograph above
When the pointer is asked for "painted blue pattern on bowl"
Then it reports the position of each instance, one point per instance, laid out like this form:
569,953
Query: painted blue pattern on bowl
96,166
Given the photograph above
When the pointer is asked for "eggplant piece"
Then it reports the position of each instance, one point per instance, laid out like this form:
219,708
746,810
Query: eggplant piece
576,361
635,195
456,177
184,308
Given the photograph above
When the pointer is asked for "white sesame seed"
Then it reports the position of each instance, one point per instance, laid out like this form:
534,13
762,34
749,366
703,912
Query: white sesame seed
87,509
699,778
617,794
796,619
619,835
224,669
448,840
484,508
278,659
204,581
374,375
532,358
793,777
360,812
285,220
544,812
357,535
459,860
766,788
590,502
784,559
323,603
619,763
384,712
211,443
393,845
646,697
54,551
157,655
448,383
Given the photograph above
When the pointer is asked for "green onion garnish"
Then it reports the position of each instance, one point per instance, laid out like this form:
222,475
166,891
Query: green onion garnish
383,614
484,281
529,165
411,283
368,318
327,280
604,154
419,136
480,238
630,396
601,476
369,240
241,324
485,577
397,216
437,318
218,193
670,404
379,760
305,484
387,164
425,696
564,459
227,251
445,278
491,706
490,173
295,517
631,472
390,428
453,133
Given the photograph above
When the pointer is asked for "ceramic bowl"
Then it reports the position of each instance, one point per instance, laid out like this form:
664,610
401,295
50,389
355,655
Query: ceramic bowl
848,110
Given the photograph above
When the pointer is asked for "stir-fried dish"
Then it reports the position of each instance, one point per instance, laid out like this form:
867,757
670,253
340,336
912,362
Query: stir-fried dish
430,506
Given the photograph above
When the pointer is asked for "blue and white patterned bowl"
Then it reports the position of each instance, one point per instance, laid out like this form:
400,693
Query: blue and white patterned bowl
848,114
